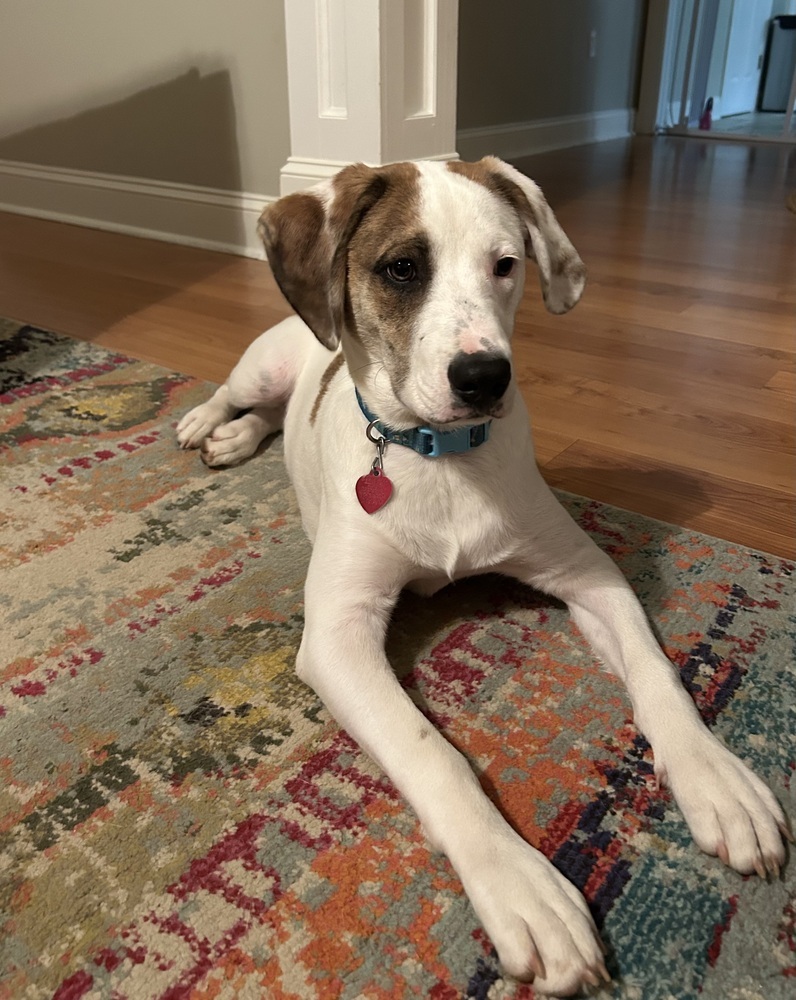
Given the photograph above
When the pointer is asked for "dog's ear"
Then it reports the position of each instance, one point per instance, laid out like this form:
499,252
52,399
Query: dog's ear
561,271
306,237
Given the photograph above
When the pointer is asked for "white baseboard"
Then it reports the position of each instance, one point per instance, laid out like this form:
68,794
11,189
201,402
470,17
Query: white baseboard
299,173
518,139
227,221
193,216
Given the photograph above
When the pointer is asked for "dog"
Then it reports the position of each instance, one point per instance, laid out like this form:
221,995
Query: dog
410,451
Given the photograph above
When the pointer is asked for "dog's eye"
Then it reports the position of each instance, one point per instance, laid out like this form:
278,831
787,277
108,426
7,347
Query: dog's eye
504,267
402,270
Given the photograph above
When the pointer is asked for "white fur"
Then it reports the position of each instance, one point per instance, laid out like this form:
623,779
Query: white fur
468,308
451,517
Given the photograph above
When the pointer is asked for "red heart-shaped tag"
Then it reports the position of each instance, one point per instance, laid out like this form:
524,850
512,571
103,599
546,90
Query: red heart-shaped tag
373,491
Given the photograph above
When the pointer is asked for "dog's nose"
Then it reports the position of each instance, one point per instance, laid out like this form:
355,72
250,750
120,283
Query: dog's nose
479,380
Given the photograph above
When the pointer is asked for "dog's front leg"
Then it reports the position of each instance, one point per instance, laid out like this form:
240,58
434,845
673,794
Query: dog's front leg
538,922
730,811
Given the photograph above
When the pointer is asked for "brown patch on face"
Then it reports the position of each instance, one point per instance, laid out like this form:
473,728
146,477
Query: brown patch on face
306,249
382,311
332,369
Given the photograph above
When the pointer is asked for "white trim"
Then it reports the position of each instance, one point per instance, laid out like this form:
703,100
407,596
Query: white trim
301,172
518,139
177,213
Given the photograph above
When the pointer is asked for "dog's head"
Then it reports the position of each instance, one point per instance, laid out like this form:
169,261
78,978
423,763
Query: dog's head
418,269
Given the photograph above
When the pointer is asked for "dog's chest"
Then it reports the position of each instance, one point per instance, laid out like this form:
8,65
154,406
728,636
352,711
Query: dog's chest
450,515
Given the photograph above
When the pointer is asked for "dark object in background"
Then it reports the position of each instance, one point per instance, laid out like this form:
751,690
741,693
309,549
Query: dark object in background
779,64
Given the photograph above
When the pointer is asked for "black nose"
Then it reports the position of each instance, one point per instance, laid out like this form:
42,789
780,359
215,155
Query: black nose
479,380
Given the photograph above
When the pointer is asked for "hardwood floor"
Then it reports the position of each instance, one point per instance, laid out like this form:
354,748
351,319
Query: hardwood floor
669,390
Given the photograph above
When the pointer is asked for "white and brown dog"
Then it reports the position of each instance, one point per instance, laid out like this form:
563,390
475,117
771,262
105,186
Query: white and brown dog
410,451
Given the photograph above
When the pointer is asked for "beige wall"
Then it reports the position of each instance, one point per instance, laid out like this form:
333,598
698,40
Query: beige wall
524,60
187,91
194,93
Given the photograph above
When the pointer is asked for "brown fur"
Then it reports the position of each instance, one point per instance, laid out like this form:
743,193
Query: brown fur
331,264
297,250
385,312
332,369
307,251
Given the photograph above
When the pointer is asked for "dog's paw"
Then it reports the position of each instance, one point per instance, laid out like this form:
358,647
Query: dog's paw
200,422
538,922
731,813
196,425
232,443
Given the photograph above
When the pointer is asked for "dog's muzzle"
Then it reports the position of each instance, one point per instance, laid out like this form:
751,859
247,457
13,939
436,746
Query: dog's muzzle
479,380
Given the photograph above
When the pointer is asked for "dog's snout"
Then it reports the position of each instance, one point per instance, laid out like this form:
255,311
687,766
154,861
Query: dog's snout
479,380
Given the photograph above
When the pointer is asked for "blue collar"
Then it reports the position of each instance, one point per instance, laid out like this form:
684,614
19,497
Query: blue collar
427,441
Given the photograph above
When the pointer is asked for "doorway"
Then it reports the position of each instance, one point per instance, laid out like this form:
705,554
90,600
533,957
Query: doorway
725,69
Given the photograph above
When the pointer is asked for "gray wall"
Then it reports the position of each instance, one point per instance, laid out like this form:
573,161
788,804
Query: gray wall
524,60
188,91
195,91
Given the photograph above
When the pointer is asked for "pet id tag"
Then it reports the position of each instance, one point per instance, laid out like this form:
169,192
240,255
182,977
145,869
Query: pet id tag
375,489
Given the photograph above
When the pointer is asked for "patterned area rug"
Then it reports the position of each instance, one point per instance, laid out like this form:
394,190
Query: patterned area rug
181,818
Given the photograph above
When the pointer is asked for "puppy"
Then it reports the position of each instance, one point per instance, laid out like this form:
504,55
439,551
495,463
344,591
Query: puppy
410,451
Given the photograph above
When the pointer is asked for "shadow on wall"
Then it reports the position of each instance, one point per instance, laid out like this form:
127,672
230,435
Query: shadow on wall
179,132
182,132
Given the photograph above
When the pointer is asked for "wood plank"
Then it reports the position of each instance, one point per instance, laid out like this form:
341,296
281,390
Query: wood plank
727,508
548,443
784,384
691,449
718,283
673,366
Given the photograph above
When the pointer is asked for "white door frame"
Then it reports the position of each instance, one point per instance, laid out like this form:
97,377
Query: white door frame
658,65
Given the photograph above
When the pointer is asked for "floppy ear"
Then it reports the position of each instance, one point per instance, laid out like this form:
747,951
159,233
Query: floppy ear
306,237
561,271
